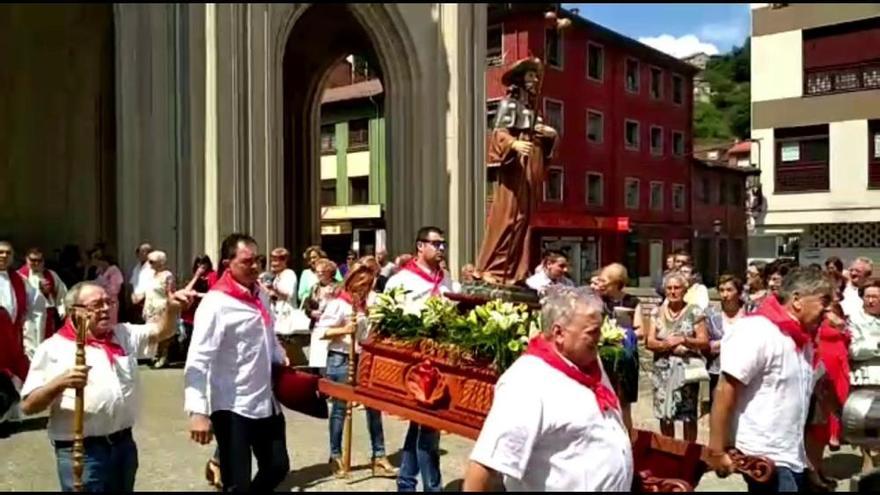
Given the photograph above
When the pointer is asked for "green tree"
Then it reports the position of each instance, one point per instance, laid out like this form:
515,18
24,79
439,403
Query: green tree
727,114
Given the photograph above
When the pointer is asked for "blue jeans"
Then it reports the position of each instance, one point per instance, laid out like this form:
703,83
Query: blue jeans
337,371
106,467
783,480
421,452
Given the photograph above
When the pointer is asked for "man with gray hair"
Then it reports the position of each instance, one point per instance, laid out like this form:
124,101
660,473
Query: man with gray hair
763,396
110,381
555,422
859,272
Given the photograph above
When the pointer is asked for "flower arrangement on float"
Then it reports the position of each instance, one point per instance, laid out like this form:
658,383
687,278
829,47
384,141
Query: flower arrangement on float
611,345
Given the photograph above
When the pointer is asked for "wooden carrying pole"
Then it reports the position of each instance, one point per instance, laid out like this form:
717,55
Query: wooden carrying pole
346,430
82,328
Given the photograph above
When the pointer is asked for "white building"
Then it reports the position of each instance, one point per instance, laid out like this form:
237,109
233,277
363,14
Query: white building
815,114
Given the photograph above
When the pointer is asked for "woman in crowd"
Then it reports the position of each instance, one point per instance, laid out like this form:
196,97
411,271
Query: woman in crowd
323,291
756,285
834,268
677,337
203,277
111,278
344,323
775,272
308,278
864,352
730,291
627,312
156,298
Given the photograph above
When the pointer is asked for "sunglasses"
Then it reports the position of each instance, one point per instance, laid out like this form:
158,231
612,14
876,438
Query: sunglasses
35,260
436,244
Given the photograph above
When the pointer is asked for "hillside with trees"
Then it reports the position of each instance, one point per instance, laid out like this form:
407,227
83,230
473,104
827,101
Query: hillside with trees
727,113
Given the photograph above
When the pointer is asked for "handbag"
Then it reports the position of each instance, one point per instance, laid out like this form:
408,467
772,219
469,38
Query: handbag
695,370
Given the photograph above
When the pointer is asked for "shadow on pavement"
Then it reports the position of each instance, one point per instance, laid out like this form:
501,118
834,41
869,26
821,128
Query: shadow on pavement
308,477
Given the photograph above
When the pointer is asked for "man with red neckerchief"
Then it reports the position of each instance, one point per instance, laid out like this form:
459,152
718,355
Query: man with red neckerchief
763,396
111,386
228,374
422,278
555,422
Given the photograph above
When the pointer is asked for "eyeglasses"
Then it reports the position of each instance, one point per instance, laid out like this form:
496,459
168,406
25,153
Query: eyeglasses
35,260
436,244
96,306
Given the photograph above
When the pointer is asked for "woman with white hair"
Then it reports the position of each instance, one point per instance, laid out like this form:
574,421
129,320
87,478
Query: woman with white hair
156,299
677,337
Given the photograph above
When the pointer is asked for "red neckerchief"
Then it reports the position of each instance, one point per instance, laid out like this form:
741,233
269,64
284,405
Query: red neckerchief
227,285
434,279
775,312
346,296
47,274
105,343
592,378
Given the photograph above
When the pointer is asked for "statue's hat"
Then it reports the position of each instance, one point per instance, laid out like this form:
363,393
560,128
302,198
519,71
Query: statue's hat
520,67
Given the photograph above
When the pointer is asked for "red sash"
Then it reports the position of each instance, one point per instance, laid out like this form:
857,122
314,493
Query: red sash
434,279
227,285
106,343
776,313
591,378
13,360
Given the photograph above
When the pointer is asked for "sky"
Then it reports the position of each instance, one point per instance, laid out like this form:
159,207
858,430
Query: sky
676,28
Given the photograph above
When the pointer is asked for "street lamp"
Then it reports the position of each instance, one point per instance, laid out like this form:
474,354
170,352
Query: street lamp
716,228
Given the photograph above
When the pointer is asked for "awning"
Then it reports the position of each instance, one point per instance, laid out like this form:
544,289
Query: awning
554,220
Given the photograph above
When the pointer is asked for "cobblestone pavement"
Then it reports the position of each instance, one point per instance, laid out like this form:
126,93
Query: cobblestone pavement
170,461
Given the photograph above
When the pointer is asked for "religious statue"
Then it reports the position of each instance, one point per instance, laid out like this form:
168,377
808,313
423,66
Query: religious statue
522,145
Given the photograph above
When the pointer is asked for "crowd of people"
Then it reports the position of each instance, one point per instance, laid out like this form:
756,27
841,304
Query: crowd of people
780,353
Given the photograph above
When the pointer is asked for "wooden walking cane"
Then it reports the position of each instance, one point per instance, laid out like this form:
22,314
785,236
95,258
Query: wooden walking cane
82,324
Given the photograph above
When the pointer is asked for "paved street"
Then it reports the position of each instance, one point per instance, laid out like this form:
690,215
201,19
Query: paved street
169,461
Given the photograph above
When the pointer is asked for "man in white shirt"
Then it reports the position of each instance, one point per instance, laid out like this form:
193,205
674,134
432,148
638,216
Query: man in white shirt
52,288
21,315
697,293
555,422
141,253
859,272
228,374
422,278
111,387
763,396
143,278
554,272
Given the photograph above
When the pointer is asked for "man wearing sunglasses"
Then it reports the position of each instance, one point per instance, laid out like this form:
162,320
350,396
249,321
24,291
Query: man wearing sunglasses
422,277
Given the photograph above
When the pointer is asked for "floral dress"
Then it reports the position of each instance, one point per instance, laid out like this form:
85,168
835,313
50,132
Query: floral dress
673,399
156,297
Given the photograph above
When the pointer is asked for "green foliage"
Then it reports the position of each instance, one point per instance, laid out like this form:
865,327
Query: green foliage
727,114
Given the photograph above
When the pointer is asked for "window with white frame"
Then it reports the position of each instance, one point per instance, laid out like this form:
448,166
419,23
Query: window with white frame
677,89
595,189
595,61
631,193
553,47
595,126
678,197
678,143
553,185
656,140
631,134
631,75
494,45
655,201
554,114
656,83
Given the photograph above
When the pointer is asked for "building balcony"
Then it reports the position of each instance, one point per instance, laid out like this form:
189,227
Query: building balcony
842,79
802,177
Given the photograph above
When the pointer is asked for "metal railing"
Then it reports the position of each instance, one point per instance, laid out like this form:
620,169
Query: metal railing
802,177
842,79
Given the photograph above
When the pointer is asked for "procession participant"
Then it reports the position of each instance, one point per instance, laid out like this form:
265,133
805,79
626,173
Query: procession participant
336,326
859,272
555,422
763,397
554,273
422,278
228,374
20,307
50,285
110,378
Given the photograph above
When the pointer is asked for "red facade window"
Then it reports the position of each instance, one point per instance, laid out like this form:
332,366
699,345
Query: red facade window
595,61
656,198
656,140
553,114
802,159
631,193
631,75
553,185
874,154
595,189
656,83
553,47
678,197
631,134
677,89
595,126
678,143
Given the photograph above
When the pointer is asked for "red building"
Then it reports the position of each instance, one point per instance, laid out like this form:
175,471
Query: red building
618,188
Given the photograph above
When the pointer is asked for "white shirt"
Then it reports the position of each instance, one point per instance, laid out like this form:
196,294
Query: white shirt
540,281
418,289
144,279
111,393
135,274
698,295
336,314
34,319
864,351
851,303
545,432
229,364
285,282
34,280
770,415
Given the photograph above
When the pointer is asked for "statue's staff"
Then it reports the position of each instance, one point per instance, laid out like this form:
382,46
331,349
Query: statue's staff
82,322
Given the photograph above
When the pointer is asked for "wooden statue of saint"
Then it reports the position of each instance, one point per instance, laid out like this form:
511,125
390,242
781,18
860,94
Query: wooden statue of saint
523,146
